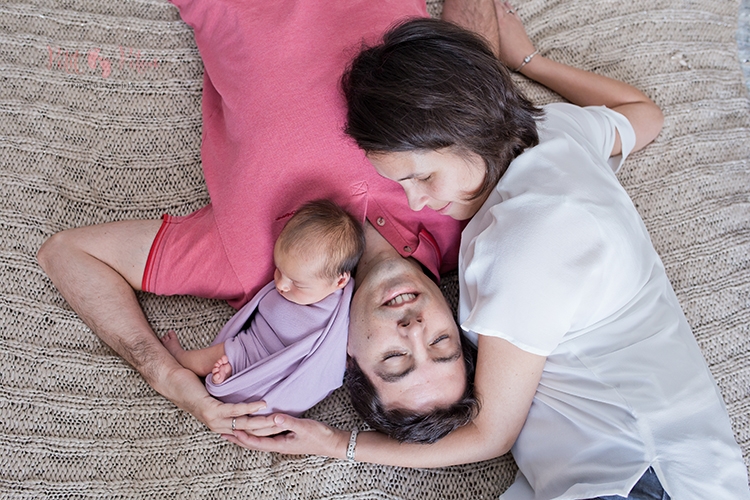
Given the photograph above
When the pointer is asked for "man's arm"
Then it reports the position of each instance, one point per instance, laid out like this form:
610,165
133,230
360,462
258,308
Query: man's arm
478,16
96,269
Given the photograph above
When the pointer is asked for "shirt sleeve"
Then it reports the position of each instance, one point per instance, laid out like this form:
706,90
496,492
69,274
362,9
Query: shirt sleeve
187,258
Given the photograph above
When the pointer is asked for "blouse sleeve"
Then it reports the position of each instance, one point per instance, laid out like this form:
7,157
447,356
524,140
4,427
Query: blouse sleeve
532,274
534,260
595,127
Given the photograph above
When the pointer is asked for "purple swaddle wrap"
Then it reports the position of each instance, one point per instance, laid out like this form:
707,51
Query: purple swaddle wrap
289,355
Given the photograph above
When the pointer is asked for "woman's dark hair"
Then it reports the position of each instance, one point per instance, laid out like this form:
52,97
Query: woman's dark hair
407,426
431,85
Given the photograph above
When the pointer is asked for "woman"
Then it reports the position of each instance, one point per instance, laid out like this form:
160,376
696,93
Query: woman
586,365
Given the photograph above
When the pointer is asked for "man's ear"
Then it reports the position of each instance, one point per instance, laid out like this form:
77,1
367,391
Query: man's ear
343,280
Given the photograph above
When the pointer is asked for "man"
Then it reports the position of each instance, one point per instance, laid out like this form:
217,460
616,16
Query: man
272,140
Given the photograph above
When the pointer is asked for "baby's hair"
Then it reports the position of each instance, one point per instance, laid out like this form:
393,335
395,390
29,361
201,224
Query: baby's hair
324,227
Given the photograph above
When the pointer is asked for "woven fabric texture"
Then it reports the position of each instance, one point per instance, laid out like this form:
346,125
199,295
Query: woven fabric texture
100,121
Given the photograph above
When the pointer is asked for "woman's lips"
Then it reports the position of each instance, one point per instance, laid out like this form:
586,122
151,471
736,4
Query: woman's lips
445,208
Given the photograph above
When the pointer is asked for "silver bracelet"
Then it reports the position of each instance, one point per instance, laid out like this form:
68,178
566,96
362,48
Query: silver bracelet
352,444
526,60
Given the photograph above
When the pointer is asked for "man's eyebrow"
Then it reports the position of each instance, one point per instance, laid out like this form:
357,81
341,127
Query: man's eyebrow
448,359
395,377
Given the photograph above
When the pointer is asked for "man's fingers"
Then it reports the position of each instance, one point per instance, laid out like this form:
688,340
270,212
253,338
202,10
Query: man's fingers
246,408
228,417
261,425
265,431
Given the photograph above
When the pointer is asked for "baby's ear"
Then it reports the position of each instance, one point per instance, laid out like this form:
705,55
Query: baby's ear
343,280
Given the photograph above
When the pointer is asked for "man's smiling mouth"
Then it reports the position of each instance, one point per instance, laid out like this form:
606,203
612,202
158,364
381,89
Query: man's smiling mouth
401,298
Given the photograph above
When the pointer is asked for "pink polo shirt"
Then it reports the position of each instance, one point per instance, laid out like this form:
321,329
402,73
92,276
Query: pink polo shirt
273,116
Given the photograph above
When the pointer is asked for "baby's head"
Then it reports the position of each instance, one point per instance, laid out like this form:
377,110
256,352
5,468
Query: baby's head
317,252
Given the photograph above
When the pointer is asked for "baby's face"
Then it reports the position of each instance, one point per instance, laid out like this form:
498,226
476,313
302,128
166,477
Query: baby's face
297,281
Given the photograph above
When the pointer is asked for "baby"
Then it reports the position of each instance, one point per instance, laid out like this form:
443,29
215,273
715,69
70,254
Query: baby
287,346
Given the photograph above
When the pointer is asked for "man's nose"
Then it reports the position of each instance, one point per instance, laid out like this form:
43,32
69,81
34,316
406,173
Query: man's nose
413,330
411,325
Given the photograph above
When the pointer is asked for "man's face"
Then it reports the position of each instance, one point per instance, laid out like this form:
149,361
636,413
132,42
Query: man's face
405,340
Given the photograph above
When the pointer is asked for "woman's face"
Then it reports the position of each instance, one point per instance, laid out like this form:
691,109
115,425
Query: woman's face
441,180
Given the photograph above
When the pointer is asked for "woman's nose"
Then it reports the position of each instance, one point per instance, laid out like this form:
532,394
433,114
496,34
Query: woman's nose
416,199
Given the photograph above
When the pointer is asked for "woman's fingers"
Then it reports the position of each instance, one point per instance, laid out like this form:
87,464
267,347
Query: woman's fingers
275,443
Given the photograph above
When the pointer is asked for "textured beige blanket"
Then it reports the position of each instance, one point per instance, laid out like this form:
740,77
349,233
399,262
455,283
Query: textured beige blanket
100,121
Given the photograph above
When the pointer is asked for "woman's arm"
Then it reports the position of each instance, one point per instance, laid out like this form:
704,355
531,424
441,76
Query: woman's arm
577,86
506,381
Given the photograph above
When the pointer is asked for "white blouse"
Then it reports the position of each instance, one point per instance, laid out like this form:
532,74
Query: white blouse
558,262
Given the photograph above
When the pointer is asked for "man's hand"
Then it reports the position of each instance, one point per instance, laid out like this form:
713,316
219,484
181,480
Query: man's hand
475,15
218,416
514,43
292,436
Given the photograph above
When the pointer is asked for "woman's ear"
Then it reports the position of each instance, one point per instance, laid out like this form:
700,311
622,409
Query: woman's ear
343,279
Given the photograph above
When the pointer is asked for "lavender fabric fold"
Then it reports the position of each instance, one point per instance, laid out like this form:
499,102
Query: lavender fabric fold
289,355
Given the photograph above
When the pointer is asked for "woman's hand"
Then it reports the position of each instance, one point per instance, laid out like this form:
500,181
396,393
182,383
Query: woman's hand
288,435
515,44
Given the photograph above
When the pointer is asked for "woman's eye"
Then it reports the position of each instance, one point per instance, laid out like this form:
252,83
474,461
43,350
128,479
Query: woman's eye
427,178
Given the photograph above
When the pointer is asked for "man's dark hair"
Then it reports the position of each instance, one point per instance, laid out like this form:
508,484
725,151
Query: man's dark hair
432,85
408,426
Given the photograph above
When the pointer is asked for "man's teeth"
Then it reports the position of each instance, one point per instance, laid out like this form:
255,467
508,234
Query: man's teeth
401,298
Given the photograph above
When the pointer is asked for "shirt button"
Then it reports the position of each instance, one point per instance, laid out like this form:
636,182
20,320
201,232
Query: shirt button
380,221
407,249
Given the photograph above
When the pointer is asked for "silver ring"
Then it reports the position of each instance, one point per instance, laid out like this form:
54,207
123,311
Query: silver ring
234,423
